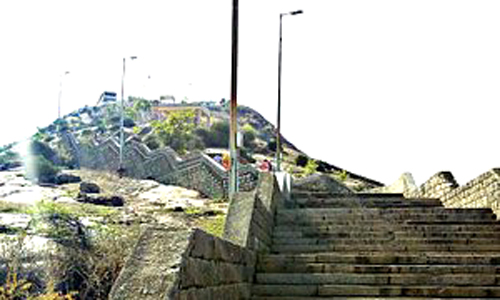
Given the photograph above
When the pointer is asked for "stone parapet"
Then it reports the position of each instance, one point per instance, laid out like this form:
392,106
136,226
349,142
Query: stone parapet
481,192
197,171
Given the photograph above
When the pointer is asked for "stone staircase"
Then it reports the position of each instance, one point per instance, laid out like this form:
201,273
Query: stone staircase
379,246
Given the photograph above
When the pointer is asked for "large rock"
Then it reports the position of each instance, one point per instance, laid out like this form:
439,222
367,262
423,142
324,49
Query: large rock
321,183
100,199
404,185
89,188
64,178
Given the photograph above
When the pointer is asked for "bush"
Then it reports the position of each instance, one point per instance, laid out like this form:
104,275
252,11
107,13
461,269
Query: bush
152,141
272,145
41,169
301,160
38,148
217,136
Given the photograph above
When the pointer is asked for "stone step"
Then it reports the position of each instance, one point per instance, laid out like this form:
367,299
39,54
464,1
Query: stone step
439,227
351,298
395,218
289,234
305,248
370,213
372,290
405,241
322,195
365,202
386,211
387,257
407,279
380,222
282,267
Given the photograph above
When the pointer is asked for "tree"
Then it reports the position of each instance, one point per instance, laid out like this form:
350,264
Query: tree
176,131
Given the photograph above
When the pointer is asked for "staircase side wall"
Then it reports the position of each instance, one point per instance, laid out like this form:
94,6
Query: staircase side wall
250,219
177,264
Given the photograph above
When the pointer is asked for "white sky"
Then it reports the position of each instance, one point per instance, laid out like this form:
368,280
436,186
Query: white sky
376,87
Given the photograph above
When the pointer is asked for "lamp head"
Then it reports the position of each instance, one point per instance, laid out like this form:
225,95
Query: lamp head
133,57
297,12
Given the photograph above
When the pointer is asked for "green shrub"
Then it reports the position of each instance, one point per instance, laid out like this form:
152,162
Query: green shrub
41,169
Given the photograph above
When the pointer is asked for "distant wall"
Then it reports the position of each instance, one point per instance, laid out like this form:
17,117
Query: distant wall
483,191
197,171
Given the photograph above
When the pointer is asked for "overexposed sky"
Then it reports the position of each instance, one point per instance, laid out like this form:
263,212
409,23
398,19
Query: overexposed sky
376,87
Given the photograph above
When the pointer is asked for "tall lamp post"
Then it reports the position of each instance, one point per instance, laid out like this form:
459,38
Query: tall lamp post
121,170
233,177
278,130
60,93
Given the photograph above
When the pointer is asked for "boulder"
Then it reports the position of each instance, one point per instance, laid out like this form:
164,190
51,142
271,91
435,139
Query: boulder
100,199
321,183
89,188
64,178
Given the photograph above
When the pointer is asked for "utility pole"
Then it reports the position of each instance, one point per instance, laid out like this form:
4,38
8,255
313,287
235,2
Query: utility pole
233,128
121,169
61,77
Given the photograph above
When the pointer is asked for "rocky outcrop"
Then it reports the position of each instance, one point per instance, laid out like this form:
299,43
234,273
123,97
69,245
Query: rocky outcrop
321,183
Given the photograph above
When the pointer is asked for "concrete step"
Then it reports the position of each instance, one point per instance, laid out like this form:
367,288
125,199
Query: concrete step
385,257
281,267
385,227
365,202
407,279
372,290
306,248
296,234
405,241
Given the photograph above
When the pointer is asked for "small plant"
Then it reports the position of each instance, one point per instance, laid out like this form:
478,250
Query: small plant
14,288
213,225
343,175
311,167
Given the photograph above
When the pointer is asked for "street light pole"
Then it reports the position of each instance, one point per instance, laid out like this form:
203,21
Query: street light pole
60,94
121,170
233,177
278,124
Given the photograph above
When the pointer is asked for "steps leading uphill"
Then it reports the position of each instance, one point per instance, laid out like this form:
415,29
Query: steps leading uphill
379,246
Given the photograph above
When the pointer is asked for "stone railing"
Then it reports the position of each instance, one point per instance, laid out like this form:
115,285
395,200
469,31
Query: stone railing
173,263
483,191
197,171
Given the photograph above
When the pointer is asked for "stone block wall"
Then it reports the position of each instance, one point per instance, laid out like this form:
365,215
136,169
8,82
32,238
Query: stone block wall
197,171
481,192
213,268
436,187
